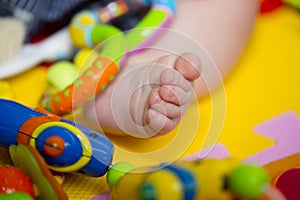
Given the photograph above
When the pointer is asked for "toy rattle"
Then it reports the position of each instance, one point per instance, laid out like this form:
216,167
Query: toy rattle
112,56
65,146
224,179
69,147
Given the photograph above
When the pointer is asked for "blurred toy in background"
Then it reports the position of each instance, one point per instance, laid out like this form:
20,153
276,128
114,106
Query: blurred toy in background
14,180
288,182
293,3
47,184
65,146
86,32
15,196
34,31
206,179
44,18
30,178
270,5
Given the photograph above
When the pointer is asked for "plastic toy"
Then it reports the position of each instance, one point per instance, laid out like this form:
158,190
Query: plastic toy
106,66
118,8
30,162
30,178
14,180
294,3
271,5
65,146
288,183
224,179
61,74
15,196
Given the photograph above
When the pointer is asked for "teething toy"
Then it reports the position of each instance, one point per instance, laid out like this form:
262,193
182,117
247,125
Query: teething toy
270,5
106,66
224,179
65,146
294,3
14,180
61,74
29,160
15,196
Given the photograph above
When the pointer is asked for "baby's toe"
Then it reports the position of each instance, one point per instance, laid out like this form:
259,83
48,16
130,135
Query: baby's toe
174,94
172,77
160,122
168,109
188,64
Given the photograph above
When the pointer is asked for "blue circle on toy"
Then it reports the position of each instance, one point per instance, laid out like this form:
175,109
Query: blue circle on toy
72,151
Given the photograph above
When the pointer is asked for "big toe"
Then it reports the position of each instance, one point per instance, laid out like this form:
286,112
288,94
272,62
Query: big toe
189,65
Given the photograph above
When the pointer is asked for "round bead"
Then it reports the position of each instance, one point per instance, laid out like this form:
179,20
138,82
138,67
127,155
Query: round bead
116,172
61,74
54,146
84,59
15,196
248,181
80,27
295,3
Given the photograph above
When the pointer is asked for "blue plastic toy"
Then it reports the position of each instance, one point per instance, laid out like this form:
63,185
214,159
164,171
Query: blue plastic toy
65,146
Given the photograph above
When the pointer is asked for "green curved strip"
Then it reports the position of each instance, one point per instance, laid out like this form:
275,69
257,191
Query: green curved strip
113,41
24,159
145,28
115,47
103,32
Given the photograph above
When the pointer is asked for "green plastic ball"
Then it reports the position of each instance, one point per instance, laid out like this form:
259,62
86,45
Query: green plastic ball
15,196
248,181
295,3
61,74
116,172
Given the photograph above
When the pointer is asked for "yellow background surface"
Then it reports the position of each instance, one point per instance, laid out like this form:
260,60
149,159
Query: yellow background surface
264,84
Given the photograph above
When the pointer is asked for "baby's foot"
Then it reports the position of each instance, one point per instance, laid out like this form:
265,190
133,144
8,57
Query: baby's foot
147,100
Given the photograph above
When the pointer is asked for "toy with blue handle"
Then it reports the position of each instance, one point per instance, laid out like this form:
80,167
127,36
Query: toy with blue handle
65,146
85,31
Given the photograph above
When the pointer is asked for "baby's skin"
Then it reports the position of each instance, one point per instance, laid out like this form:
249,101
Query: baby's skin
154,88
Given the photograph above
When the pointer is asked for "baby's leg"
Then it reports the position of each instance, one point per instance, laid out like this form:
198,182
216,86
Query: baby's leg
149,99
222,27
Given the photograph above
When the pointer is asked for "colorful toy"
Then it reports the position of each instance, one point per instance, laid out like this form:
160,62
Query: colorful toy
118,8
288,182
207,179
61,74
30,178
30,162
270,5
65,146
86,32
116,172
294,3
14,180
88,28
106,66
15,196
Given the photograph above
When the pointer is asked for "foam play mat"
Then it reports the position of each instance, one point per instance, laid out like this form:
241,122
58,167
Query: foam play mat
260,122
